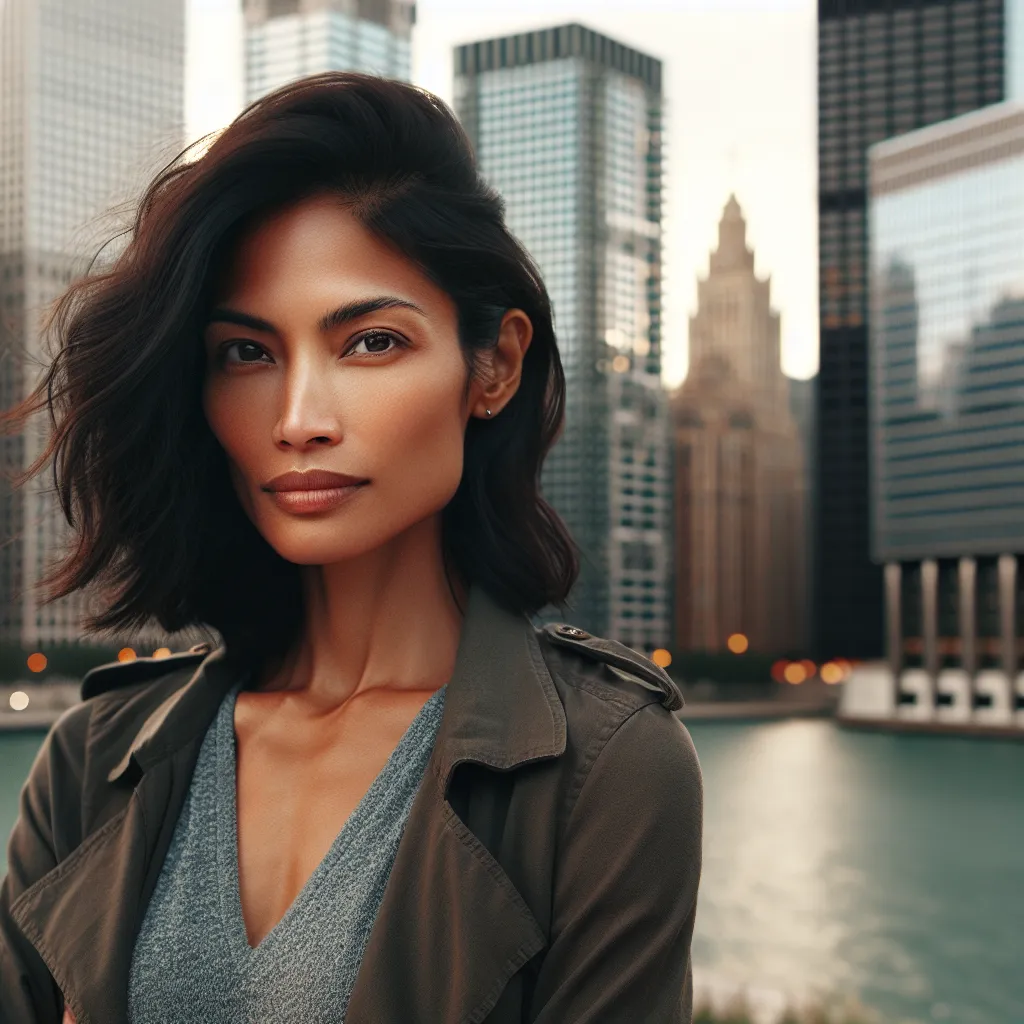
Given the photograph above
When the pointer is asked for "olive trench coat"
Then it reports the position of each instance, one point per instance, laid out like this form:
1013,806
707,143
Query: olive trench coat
547,873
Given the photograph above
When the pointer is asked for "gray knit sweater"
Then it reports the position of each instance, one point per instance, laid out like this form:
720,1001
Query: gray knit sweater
192,962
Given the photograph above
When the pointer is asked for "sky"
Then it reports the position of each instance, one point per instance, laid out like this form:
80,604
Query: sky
741,116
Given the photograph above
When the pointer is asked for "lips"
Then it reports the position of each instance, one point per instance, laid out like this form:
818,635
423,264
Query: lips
311,480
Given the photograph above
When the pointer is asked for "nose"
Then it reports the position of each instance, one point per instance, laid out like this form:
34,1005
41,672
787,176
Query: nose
309,413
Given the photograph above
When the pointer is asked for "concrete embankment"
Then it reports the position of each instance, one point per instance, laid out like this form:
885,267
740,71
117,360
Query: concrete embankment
35,705
755,710
43,703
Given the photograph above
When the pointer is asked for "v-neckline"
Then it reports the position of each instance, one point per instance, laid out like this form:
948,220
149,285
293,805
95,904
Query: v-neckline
227,832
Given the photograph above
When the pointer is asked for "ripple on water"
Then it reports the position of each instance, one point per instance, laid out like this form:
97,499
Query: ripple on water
884,866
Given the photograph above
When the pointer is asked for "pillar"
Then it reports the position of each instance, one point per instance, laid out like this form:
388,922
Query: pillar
893,618
967,610
930,622
1007,573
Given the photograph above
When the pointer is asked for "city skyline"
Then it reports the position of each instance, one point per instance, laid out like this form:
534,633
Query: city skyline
740,117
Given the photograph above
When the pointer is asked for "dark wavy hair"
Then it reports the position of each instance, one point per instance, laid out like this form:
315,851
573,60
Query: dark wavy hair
141,478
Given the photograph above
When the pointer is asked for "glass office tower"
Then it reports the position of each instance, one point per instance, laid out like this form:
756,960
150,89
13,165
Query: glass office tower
92,103
884,68
947,396
567,126
288,39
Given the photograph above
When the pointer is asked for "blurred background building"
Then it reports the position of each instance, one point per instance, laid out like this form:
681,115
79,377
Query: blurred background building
883,69
91,106
947,408
288,39
740,493
567,126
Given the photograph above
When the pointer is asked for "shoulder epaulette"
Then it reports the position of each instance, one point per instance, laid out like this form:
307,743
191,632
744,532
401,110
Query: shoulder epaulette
115,674
618,655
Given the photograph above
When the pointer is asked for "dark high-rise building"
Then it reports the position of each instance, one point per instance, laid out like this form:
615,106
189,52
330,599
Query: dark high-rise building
885,67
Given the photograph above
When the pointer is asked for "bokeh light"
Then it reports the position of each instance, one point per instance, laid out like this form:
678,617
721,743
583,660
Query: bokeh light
36,662
19,700
737,643
661,658
162,652
126,654
795,673
831,673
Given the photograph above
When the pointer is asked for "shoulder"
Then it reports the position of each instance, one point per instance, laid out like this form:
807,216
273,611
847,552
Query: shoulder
91,737
621,708
608,668
117,675
125,690
632,757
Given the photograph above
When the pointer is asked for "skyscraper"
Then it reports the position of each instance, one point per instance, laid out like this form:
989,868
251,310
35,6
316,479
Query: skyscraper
740,500
884,68
947,396
567,126
91,104
287,39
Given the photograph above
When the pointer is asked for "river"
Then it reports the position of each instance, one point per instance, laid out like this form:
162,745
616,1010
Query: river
887,867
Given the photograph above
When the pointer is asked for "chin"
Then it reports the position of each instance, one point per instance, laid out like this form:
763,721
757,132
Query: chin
319,544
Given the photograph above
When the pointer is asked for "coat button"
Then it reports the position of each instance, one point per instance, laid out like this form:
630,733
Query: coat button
572,631
203,648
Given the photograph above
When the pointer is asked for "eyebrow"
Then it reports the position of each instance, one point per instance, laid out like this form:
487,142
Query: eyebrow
335,318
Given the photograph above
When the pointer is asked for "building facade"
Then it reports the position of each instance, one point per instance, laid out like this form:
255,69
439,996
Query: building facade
91,105
740,478
803,404
884,68
288,39
567,125
947,411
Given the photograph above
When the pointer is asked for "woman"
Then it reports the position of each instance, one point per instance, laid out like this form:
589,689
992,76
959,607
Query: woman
308,406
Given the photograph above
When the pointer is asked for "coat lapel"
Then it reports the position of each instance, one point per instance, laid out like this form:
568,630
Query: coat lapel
452,928
83,916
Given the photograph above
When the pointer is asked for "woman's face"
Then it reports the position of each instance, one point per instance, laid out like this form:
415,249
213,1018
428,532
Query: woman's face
328,350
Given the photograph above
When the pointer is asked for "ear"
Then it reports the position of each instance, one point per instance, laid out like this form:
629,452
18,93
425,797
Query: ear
506,363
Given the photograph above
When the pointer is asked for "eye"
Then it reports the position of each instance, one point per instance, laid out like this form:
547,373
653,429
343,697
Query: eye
249,352
376,343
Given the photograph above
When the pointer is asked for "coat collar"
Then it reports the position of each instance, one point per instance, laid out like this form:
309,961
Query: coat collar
501,708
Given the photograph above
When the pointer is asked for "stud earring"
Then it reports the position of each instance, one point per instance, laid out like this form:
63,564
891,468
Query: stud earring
488,412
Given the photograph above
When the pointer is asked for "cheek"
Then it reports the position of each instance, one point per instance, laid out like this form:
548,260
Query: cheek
235,434
235,429
425,437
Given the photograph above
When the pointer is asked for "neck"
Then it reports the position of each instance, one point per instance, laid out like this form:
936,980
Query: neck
386,620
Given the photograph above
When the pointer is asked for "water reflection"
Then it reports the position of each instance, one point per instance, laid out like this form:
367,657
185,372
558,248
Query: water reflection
878,865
